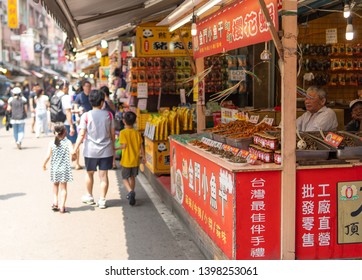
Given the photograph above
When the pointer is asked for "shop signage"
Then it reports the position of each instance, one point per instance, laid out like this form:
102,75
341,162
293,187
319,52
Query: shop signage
235,26
38,48
104,73
206,191
329,213
349,195
158,41
27,47
142,90
331,36
13,14
258,215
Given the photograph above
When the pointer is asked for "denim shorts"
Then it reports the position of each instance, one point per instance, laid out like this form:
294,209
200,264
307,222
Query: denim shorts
128,172
91,164
73,138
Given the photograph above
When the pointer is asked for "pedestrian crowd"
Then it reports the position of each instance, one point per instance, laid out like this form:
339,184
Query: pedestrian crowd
83,124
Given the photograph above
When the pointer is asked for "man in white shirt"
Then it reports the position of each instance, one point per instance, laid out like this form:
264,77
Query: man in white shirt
318,116
67,110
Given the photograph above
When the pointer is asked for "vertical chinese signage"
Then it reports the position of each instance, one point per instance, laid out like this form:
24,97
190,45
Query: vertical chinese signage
235,26
158,41
206,191
325,230
258,200
13,14
349,196
27,46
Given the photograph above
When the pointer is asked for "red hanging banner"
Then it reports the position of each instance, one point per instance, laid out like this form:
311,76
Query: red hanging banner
235,26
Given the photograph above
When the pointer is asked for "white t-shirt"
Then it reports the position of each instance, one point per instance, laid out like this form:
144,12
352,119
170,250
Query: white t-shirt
66,103
98,141
41,103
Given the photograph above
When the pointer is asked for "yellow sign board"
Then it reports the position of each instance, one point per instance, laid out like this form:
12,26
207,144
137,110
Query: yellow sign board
13,14
158,41
349,212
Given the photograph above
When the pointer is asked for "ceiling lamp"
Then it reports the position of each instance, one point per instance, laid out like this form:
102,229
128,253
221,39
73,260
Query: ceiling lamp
346,10
104,44
349,29
98,54
193,26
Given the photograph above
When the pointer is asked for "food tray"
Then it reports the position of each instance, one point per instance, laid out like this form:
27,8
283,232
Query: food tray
241,143
344,152
322,152
219,137
209,133
350,152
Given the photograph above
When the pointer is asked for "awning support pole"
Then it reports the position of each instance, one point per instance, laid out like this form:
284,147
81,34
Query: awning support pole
273,31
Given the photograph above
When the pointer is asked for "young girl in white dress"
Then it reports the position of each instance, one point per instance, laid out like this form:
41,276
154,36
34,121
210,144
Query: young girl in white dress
59,154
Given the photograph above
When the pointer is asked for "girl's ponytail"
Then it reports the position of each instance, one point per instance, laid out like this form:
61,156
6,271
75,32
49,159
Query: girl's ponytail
59,131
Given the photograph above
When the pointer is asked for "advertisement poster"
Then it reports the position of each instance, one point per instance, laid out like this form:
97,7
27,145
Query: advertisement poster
206,191
235,26
157,41
104,72
329,213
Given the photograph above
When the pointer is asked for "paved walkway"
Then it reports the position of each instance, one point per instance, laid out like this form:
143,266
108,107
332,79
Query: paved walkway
30,230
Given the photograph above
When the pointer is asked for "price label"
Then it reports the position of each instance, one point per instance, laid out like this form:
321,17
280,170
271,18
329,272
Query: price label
254,119
243,153
334,139
268,121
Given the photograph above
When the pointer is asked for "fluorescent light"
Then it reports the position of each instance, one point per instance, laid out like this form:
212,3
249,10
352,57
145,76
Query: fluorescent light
180,23
207,6
150,3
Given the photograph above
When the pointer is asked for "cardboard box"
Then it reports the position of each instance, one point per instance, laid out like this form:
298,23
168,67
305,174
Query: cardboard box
157,156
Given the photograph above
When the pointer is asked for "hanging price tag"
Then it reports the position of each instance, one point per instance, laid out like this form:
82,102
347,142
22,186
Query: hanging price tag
334,139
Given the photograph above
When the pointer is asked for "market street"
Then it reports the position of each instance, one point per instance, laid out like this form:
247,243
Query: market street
30,230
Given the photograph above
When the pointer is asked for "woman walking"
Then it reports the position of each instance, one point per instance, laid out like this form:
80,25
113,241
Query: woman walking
41,116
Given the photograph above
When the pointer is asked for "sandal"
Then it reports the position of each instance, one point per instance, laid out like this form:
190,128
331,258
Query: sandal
63,210
55,207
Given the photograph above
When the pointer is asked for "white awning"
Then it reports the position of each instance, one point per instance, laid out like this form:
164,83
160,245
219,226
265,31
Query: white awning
37,74
24,71
51,72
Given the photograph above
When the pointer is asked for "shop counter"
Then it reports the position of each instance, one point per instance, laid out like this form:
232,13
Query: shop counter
238,206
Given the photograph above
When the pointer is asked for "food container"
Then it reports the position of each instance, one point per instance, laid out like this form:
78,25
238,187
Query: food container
278,157
322,151
350,152
241,143
268,156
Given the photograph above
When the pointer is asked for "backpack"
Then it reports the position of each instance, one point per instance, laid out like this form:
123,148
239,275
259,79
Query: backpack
56,110
18,109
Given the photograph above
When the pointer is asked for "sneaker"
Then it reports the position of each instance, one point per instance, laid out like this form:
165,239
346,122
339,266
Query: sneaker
18,144
88,199
132,198
102,203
